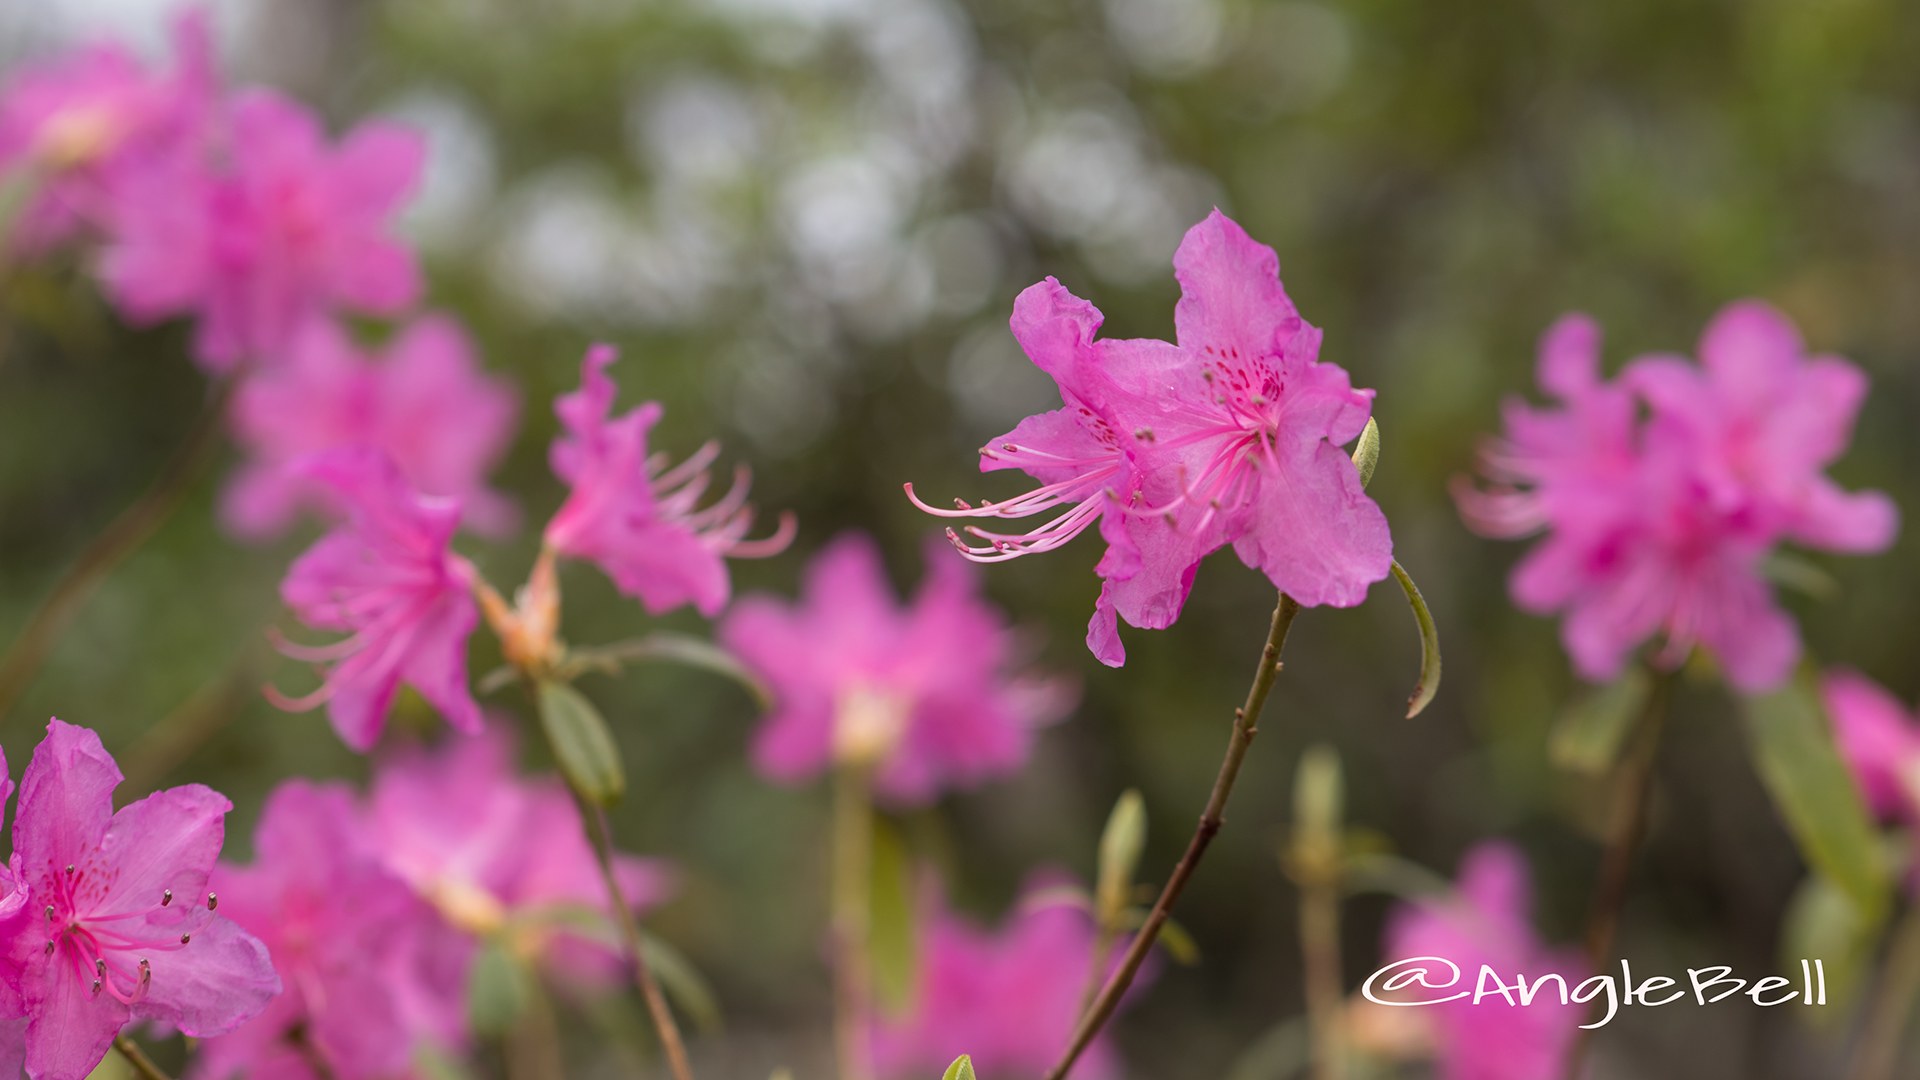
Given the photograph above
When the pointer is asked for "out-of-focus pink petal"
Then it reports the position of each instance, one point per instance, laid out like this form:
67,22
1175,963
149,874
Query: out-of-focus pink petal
1878,739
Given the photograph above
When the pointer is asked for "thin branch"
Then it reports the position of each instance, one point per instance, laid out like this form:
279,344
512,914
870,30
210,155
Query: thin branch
852,919
1877,1054
1246,724
122,536
138,1058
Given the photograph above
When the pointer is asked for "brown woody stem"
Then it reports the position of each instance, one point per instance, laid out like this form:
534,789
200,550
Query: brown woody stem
138,1058
1246,721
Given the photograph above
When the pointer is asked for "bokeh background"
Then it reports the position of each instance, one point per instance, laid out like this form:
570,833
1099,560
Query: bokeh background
804,221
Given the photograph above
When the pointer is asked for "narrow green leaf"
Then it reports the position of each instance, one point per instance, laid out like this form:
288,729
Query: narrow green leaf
1823,921
581,744
1124,838
1793,572
961,1069
891,937
1366,453
1792,746
1429,684
665,645
682,982
1589,732
1179,944
1391,874
498,989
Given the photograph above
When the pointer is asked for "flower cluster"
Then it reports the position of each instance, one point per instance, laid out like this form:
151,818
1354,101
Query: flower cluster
373,908
1662,492
920,695
1231,436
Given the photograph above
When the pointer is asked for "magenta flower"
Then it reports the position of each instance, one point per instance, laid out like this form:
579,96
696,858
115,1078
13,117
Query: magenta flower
637,519
497,853
1659,526
79,125
287,228
1487,923
1230,436
925,695
387,578
1010,999
1880,741
111,920
424,402
356,950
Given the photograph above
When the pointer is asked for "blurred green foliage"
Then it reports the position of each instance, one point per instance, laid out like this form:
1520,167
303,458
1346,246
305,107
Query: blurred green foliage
805,222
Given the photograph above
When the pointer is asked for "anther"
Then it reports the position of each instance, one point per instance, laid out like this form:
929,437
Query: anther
961,504
96,987
49,946
49,912
69,869
212,901
184,938
166,898
1009,448
100,967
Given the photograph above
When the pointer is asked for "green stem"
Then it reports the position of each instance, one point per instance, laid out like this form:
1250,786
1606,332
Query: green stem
1624,833
1246,724
852,918
138,1058
1320,948
670,1041
122,536
1878,1052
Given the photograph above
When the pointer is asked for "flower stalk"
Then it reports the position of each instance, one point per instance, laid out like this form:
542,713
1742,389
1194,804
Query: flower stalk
852,917
138,1058
1877,1055
1246,724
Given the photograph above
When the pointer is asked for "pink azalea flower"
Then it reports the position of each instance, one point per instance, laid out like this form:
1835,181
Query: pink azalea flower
1488,924
425,402
1008,998
925,694
80,124
1231,436
495,852
388,579
1880,741
111,920
354,947
289,228
637,519
1659,526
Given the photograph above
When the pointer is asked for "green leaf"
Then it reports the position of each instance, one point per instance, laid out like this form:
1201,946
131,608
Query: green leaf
1589,732
1121,843
1793,572
891,911
581,744
1823,921
1366,452
682,982
498,989
1429,684
961,1069
1391,874
665,645
1792,747
1173,937
1319,793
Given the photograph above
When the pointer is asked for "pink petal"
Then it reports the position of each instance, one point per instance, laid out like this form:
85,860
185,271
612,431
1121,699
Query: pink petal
1569,363
167,841
1877,737
1231,299
66,798
1319,539
213,984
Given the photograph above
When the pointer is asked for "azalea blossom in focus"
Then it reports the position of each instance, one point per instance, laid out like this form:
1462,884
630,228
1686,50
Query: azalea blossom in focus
369,969
1658,526
1232,435
387,578
638,518
424,402
109,918
76,128
279,228
925,695
1010,998
497,854
1486,923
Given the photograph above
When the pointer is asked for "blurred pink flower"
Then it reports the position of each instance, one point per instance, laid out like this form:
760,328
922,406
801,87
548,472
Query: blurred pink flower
424,401
926,694
359,954
1659,526
637,519
79,124
495,852
111,921
1010,998
282,230
1880,740
388,579
1231,436
1487,923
